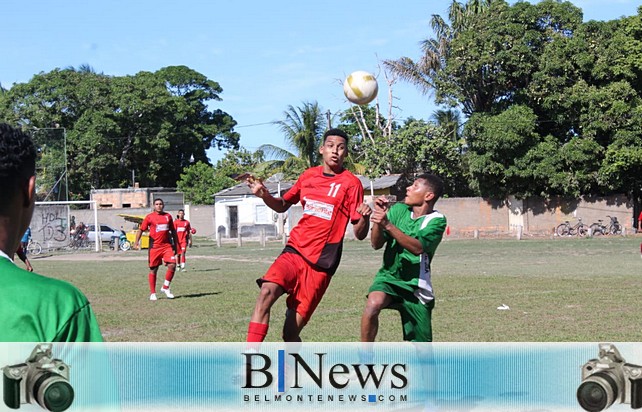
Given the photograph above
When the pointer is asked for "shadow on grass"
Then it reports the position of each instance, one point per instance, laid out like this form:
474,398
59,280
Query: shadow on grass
196,295
201,270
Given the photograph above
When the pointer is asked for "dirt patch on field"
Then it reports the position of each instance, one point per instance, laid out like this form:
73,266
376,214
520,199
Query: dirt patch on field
124,256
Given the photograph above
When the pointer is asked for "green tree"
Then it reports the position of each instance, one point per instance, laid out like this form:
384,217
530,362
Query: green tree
495,144
366,128
151,123
200,181
450,122
435,51
303,129
419,146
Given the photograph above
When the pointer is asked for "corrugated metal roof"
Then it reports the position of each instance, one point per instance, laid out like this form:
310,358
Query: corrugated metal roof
382,182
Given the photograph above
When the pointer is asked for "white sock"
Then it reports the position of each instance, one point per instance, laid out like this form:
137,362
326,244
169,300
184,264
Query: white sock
166,284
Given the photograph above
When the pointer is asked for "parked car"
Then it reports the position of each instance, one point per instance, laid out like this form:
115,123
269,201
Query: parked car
106,233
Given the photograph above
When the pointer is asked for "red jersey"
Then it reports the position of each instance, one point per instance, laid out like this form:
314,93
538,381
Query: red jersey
329,203
159,225
183,229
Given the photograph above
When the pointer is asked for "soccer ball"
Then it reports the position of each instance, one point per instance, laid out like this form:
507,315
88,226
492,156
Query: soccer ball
360,87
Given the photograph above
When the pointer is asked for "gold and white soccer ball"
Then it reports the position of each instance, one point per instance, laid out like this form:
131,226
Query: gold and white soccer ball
360,87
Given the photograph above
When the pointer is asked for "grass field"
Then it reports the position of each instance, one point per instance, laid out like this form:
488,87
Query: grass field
557,290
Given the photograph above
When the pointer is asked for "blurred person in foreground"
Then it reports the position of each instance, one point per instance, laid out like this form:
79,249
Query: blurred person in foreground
33,308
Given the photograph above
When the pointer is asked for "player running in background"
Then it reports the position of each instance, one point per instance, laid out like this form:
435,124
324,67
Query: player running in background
184,235
22,254
24,242
411,232
162,241
331,197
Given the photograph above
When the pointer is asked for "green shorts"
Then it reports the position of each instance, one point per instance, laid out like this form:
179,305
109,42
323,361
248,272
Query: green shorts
415,316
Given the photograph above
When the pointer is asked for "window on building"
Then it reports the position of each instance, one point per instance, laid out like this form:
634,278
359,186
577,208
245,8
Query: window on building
125,205
262,215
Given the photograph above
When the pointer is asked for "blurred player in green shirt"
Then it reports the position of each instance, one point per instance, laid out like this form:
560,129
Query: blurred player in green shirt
33,308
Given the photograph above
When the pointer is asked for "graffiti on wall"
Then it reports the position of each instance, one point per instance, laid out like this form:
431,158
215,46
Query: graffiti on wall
49,225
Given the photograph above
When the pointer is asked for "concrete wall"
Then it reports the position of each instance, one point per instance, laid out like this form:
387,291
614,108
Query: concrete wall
201,217
115,198
543,215
537,216
488,217
50,226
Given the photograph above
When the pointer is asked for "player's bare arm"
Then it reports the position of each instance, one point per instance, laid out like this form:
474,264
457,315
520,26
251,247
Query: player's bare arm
381,206
136,244
360,228
175,238
376,236
380,218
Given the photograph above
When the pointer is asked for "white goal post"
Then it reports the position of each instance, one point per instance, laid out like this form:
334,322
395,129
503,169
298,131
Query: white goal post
53,224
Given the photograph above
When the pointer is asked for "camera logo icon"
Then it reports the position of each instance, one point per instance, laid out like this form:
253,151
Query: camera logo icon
40,379
608,380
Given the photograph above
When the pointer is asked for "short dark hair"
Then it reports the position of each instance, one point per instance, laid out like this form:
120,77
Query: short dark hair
17,159
434,182
335,132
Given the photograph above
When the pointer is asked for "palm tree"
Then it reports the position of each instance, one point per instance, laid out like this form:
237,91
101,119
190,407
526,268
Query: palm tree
422,73
448,120
303,128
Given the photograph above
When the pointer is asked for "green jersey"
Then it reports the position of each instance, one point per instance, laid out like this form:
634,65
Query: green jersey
35,308
401,267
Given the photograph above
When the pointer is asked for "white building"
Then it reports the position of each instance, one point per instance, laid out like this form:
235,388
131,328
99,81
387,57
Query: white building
238,210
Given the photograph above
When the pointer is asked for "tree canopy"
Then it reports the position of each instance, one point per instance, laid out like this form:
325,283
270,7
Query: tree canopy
148,124
552,102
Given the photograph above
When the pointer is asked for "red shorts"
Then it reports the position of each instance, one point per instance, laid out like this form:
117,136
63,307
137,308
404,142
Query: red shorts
182,247
304,284
161,254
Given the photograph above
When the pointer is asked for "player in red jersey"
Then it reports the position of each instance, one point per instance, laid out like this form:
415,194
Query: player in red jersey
162,241
331,197
184,235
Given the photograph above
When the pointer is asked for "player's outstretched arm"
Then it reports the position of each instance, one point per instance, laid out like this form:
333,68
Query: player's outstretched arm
360,228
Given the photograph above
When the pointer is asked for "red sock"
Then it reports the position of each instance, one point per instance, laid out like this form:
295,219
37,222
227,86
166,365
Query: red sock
169,275
152,282
256,332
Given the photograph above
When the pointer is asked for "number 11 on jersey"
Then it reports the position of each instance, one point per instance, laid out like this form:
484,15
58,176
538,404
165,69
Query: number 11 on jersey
334,189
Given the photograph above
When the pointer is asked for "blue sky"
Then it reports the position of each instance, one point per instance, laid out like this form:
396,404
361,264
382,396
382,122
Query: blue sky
266,55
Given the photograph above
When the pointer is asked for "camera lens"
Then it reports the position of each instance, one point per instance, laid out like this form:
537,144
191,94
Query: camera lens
597,392
53,392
